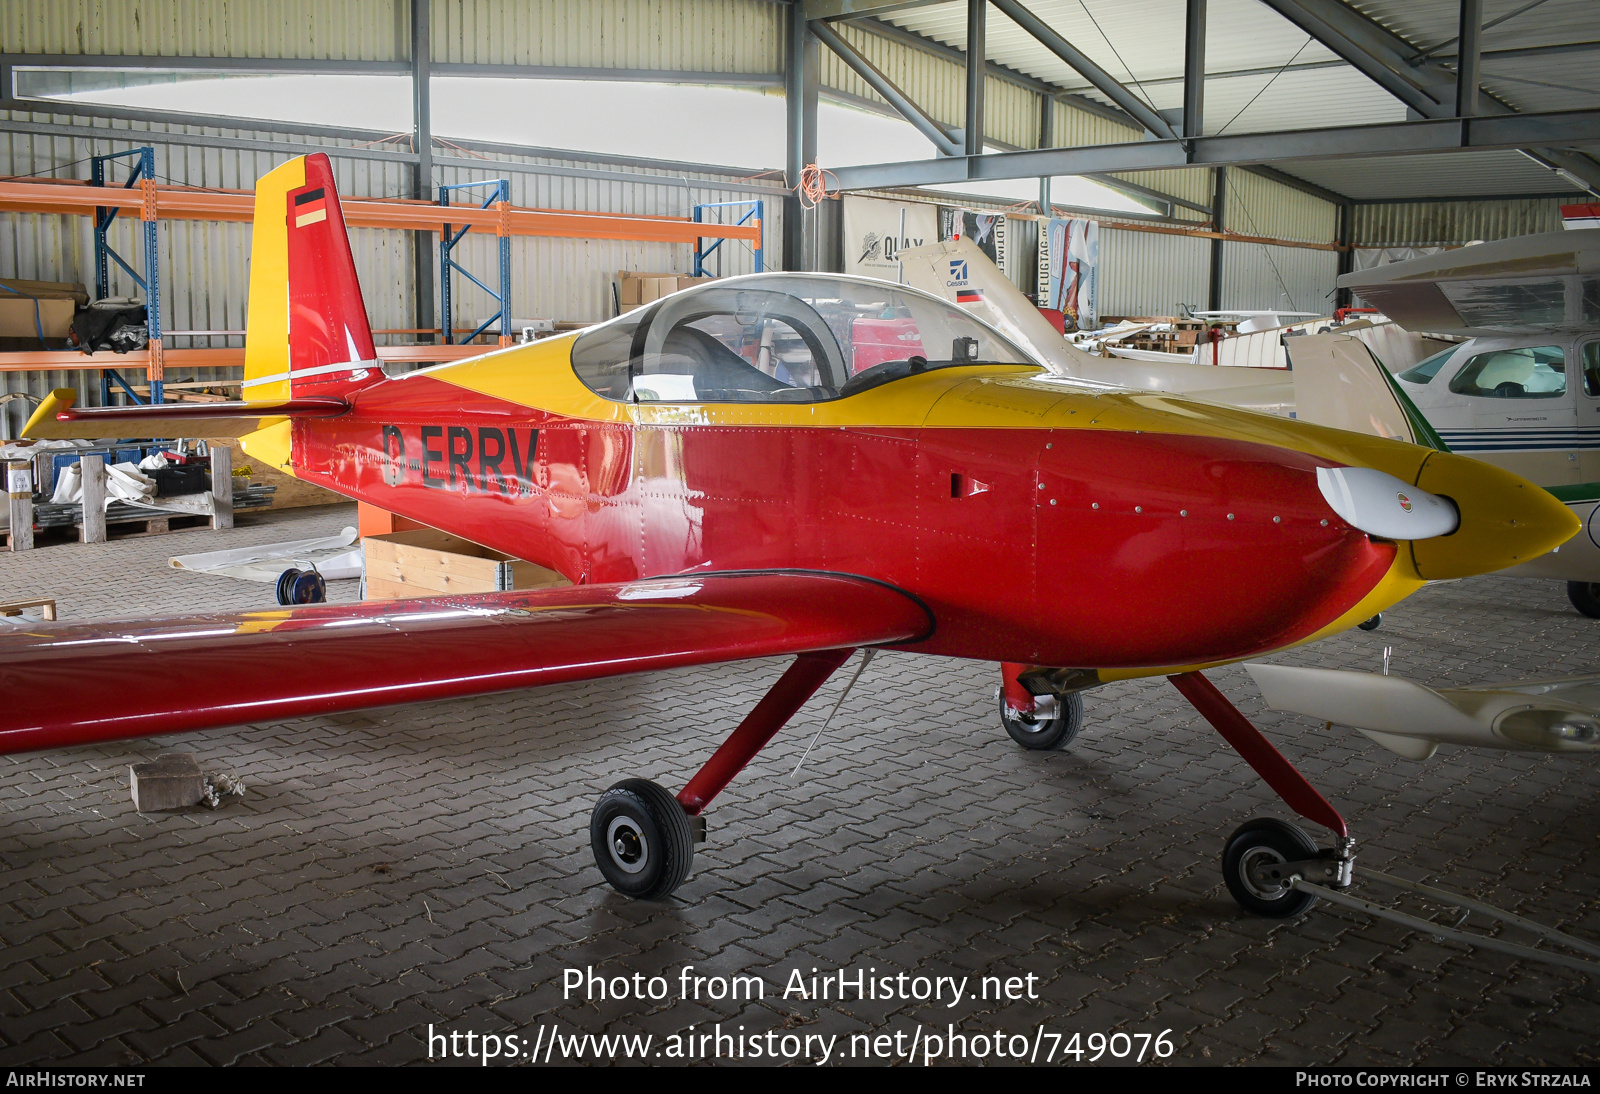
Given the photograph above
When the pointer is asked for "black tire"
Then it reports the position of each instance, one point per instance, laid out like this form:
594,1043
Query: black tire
1045,734
1371,624
1585,596
641,839
1274,839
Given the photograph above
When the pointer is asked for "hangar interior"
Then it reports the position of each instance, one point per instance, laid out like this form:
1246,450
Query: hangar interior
514,171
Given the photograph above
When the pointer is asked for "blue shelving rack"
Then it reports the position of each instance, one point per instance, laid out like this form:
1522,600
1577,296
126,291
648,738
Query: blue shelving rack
757,212
144,172
499,194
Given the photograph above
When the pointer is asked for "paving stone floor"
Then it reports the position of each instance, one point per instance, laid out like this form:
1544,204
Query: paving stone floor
407,868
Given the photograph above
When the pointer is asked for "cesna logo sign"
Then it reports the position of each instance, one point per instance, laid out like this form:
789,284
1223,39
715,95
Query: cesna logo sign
958,269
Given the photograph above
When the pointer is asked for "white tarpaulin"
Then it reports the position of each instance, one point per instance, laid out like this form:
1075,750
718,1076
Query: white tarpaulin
333,556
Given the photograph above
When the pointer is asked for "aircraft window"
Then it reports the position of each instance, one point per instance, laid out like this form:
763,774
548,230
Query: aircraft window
1529,372
1424,371
781,338
1591,369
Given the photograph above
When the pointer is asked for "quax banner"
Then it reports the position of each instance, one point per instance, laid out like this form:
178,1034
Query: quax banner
875,231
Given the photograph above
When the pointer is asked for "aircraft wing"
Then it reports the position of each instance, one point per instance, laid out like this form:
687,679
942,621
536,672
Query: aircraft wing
77,683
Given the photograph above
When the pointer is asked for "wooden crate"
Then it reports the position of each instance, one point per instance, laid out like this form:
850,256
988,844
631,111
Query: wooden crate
426,562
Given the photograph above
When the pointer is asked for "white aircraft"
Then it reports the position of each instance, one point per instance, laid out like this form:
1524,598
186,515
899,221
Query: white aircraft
1524,392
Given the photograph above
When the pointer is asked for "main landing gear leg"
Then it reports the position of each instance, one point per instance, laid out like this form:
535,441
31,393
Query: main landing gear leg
1263,856
643,838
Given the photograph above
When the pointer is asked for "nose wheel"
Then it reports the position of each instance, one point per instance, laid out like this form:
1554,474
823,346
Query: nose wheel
642,839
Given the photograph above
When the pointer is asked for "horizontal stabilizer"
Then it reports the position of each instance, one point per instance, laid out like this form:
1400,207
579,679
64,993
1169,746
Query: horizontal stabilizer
59,419
193,672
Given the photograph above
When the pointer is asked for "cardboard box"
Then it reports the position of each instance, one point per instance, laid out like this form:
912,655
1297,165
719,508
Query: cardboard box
16,318
427,562
634,289
47,290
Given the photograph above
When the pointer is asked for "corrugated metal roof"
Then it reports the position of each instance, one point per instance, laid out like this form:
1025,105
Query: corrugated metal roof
1144,36
1460,174
1141,43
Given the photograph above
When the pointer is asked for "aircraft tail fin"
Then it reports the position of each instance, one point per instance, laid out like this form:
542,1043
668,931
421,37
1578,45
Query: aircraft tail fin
306,331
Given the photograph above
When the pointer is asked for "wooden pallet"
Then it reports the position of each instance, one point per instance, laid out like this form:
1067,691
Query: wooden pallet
150,526
45,604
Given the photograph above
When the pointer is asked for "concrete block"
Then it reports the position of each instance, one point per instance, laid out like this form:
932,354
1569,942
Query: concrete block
170,781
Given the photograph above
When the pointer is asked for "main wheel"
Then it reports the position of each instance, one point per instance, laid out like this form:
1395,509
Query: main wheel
641,839
1044,734
1371,624
1258,842
1585,596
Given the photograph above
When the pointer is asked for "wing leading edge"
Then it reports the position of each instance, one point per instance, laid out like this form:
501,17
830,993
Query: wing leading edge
192,672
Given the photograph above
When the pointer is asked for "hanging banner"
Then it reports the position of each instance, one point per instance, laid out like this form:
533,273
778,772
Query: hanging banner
1073,248
875,231
987,230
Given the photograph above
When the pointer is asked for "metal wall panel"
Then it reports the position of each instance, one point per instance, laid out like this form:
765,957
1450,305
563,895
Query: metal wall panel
1076,127
1149,273
1424,223
1256,276
370,30
685,35
1192,184
1261,207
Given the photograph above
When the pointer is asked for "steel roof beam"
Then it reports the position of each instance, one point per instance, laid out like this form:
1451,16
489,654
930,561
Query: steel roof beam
1194,68
976,75
1102,80
1468,68
1399,138
875,79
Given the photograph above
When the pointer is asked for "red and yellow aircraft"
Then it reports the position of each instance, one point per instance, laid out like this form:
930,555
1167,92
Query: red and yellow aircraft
797,464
